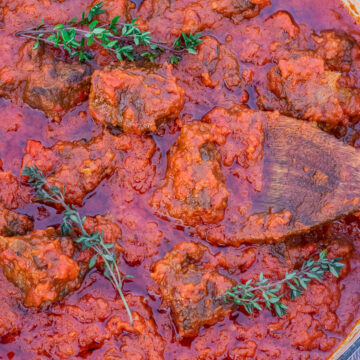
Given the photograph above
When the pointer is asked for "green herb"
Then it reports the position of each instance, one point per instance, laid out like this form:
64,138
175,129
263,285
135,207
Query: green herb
93,13
72,219
188,42
125,41
264,291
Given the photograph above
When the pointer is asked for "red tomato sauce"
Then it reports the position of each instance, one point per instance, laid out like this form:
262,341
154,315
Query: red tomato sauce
125,194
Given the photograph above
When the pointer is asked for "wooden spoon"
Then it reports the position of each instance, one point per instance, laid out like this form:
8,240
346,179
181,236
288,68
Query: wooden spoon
309,176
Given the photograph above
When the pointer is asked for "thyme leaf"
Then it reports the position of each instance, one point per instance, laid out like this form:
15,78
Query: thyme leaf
250,295
125,41
71,219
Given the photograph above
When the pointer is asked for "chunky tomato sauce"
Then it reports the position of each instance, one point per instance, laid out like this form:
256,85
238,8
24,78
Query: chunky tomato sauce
164,159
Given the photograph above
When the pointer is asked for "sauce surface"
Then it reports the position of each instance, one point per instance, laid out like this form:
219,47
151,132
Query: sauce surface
90,322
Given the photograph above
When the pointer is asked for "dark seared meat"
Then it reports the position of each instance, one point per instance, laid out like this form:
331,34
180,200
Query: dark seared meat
305,89
56,88
81,166
194,189
214,65
44,82
339,50
98,322
191,289
195,16
239,9
41,264
135,99
13,224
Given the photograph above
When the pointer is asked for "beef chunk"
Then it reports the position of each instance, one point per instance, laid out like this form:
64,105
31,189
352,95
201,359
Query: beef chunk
305,89
243,151
245,142
41,265
16,65
97,323
135,170
12,224
239,9
11,194
173,17
338,50
80,165
167,17
192,289
42,81
215,65
194,189
233,260
57,87
278,35
136,99
153,8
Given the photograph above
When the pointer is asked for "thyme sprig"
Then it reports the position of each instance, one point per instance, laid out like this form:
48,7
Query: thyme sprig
264,291
125,41
72,219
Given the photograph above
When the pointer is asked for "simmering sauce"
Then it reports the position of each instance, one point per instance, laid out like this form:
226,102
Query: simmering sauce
132,179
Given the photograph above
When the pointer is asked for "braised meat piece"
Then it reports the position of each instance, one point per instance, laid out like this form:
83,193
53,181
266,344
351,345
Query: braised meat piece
168,18
305,89
12,224
194,189
245,142
136,99
234,261
43,82
80,165
135,170
242,153
153,8
239,9
278,35
97,323
9,190
57,87
12,77
192,289
11,194
174,17
41,264
338,50
215,65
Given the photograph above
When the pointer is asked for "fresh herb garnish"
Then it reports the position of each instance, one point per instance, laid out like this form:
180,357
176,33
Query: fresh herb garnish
125,41
250,296
72,219
185,42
